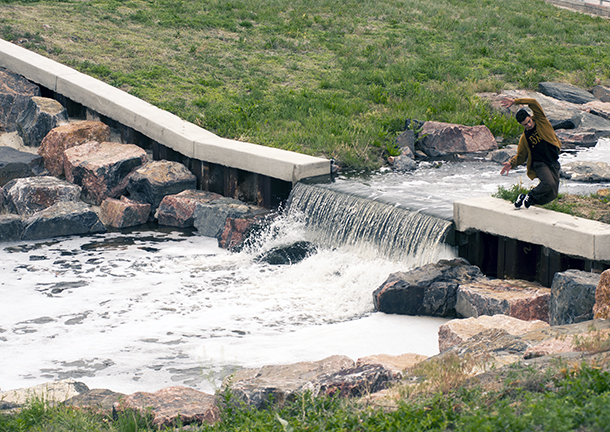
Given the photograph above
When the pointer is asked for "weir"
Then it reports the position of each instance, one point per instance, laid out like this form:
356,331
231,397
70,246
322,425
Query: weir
399,234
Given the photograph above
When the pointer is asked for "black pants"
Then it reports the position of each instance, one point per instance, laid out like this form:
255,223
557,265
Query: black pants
547,189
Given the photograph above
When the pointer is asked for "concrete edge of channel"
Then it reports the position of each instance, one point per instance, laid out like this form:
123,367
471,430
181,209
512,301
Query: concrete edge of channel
561,232
161,126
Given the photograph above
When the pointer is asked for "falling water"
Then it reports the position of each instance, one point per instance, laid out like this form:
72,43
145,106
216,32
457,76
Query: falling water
336,218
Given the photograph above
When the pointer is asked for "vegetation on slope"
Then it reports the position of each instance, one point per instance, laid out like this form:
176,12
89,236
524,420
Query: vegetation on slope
321,77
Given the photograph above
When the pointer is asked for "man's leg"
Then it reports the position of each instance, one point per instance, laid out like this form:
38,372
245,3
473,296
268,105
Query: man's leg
547,189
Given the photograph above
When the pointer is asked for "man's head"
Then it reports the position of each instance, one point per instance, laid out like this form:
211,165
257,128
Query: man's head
525,119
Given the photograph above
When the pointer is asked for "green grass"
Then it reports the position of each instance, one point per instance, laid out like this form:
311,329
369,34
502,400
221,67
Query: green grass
567,399
336,79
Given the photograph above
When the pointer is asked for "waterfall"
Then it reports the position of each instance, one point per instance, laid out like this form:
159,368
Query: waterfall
340,219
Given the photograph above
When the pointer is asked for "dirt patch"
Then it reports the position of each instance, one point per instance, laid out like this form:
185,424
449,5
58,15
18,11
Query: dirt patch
595,207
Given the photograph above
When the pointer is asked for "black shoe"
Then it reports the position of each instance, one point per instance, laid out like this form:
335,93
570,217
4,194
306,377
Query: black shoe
520,200
528,201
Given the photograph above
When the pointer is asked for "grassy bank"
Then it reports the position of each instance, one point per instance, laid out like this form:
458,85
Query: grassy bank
320,77
563,399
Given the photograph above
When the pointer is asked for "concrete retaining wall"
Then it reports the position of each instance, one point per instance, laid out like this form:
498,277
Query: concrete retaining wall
158,125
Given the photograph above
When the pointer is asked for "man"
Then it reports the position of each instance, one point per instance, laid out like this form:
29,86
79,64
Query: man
539,147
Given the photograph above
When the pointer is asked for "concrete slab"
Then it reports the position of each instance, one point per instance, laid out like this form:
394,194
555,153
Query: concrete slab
563,233
159,125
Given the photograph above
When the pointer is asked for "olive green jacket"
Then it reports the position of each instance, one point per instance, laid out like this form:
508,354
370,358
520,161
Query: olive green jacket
545,130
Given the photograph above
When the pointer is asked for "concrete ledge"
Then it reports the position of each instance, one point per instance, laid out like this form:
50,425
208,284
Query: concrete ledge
563,233
161,126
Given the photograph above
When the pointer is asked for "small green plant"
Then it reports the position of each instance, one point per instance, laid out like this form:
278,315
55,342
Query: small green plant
511,193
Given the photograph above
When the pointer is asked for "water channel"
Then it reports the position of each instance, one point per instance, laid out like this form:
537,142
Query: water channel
147,309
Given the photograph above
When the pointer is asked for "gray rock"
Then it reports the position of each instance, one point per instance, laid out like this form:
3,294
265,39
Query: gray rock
153,181
11,227
594,123
572,138
602,93
40,116
406,142
15,94
565,92
502,155
430,290
586,171
17,164
26,196
404,163
209,218
572,297
62,219
289,254
353,382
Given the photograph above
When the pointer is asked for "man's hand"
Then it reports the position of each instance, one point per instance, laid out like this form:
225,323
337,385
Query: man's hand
506,167
507,102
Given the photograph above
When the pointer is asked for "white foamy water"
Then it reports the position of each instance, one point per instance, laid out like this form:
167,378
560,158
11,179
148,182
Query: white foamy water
143,311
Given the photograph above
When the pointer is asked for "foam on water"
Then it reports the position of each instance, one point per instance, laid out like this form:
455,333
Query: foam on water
148,310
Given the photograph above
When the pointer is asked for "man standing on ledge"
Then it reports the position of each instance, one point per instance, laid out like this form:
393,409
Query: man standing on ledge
539,146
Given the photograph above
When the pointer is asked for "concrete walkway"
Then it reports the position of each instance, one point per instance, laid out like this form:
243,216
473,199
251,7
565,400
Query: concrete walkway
159,125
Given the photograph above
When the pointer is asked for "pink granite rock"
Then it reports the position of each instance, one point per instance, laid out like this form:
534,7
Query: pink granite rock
442,139
178,210
515,298
171,404
63,137
123,213
394,363
102,169
457,331
601,309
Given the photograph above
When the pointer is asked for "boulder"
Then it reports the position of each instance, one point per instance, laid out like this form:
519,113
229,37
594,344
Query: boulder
102,169
519,299
353,382
17,164
403,163
39,117
172,406
601,309
279,383
210,218
586,171
602,93
572,297
565,92
406,143
151,182
599,108
457,331
179,210
583,337
396,364
64,137
15,94
123,213
57,391
11,227
572,138
62,219
594,123
446,139
26,196
288,254
100,400
502,155
237,230
429,290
